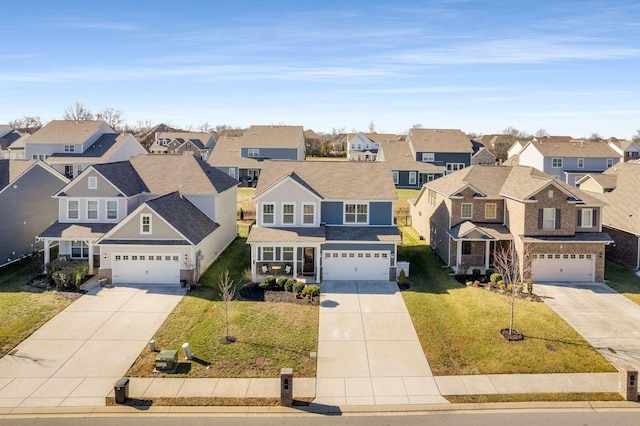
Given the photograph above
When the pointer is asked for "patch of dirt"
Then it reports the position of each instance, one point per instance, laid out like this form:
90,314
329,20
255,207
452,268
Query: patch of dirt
256,294
514,336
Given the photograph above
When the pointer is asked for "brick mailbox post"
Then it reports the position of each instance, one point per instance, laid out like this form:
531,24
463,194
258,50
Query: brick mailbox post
286,387
628,383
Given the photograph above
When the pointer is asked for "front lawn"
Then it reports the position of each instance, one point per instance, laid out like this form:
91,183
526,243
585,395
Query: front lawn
623,280
270,336
458,327
23,310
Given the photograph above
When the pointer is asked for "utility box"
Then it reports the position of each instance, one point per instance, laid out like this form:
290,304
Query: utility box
286,387
167,360
121,390
628,383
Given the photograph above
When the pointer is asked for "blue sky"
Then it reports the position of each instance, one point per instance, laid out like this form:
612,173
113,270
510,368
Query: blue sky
570,67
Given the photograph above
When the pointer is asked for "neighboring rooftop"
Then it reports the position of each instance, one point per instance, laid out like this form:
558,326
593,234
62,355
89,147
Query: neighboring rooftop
97,149
398,155
272,137
574,148
10,170
68,131
440,140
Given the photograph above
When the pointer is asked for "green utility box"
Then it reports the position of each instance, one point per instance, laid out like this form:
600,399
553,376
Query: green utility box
167,360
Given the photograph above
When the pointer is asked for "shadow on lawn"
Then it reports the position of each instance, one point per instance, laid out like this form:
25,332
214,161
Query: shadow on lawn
564,342
264,345
428,273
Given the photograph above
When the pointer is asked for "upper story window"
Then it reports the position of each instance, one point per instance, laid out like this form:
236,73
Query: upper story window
556,163
452,167
92,209
232,172
69,148
466,210
431,197
581,163
412,178
268,213
73,211
308,214
490,210
253,152
428,157
356,213
586,218
288,213
145,224
609,162
395,177
112,210
548,218
92,182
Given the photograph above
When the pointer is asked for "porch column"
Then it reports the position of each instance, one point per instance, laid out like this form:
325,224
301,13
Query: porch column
487,248
318,256
90,244
47,253
254,256
295,263
458,254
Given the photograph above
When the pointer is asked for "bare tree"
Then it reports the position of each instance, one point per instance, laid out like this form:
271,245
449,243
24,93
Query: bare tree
417,126
28,124
205,127
595,137
514,133
516,272
77,112
113,117
541,133
227,294
372,127
636,137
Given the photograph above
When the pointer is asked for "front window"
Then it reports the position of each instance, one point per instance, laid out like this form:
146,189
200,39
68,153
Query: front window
428,157
467,210
356,213
556,163
466,247
580,163
412,178
287,253
68,171
253,152
79,249
92,210
268,213
267,253
112,210
308,214
145,224
287,213
549,218
395,177
587,218
72,209
609,162
490,211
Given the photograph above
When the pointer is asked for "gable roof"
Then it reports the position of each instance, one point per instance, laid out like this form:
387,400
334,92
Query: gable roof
10,170
605,181
484,151
333,180
578,149
123,176
9,138
272,137
440,140
200,139
67,131
398,155
97,149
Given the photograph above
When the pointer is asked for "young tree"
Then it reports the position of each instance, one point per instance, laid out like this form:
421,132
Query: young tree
227,294
113,117
77,112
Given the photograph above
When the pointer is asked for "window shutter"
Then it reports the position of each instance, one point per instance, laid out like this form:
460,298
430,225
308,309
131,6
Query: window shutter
540,218
579,221
558,218
594,221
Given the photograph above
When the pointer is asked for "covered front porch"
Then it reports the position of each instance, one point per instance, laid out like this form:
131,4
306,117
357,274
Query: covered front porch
285,261
473,246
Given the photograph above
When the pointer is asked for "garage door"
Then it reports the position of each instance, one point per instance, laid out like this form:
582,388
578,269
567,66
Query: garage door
129,268
344,265
563,267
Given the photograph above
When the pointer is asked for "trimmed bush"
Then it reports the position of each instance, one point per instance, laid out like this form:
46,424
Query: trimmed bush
469,283
495,277
311,290
288,284
476,273
530,288
402,278
268,283
510,288
488,273
519,288
501,285
280,283
297,287
67,276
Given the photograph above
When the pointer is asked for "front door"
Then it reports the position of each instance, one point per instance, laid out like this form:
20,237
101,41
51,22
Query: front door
308,265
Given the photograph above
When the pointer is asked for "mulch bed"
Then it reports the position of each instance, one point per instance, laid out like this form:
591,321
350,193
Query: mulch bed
41,284
256,294
483,285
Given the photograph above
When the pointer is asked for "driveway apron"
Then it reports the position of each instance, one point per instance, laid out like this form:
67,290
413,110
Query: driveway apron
606,319
368,350
76,357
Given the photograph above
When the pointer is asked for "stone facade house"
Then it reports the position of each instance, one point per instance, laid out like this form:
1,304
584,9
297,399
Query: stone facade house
198,144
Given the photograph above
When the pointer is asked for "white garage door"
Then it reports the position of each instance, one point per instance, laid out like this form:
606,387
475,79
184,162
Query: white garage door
344,265
129,268
563,267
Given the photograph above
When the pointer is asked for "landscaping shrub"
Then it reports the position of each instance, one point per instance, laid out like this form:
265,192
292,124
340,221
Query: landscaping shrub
402,278
297,287
488,273
268,283
530,288
280,283
491,285
495,277
476,273
311,290
476,283
510,288
67,276
501,285
519,288
288,285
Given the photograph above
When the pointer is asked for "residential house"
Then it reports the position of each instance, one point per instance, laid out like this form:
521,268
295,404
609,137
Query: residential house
365,146
498,144
618,188
555,228
185,143
242,157
26,206
324,221
483,156
406,171
568,161
72,146
11,143
154,219
628,150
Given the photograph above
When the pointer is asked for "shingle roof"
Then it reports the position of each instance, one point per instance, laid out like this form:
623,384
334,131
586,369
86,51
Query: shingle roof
295,234
606,181
8,139
227,153
123,176
578,149
440,140
80,230
364,233
579,237
200,139
493,230
146,242
272,137
97,149
10,170
189,220
66,131
398,156
334,180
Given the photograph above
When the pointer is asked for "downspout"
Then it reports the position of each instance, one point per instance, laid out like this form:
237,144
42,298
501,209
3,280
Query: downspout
638,255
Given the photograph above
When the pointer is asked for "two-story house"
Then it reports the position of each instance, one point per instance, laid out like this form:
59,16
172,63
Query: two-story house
324,221
72,146
11,143
242,157
555,228
198,144
26,206
568,161
628,150
154,219
618,187
365,146
406,171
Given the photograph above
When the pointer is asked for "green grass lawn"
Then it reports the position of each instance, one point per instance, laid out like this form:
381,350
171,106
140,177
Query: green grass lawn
623,280
458,327
22,311
281,334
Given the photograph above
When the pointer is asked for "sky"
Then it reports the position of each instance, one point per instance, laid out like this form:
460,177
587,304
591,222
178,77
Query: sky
569,67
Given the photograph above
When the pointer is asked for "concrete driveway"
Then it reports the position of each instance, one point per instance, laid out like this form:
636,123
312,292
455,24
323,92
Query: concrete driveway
368,350
606,319
76,357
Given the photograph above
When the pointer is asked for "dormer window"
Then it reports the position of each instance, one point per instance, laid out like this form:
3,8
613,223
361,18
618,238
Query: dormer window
580,163
69,148
253,152
609,162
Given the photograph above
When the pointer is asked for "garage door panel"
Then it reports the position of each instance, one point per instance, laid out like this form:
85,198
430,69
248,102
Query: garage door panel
555,267
140,268
355,265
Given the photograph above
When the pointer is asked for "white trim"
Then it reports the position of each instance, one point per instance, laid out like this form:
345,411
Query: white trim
302,215
255,151
557,159
292,214
106,210
78,209
281,182
262,205
428,157
462,205
76,181
97,209
413,178
589,216
580,166
356,204
143,216
495,210
396,176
